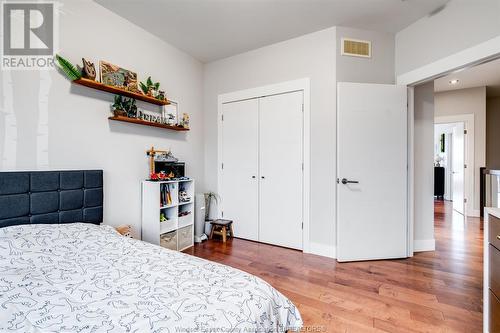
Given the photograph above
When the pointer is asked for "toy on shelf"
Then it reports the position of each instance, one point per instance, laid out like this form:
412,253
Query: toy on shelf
183,196
159,155
161,176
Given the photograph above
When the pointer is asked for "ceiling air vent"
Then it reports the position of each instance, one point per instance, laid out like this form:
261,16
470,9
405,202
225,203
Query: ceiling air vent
356,48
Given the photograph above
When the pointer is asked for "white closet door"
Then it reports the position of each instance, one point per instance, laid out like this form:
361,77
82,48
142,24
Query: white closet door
280,127
240,155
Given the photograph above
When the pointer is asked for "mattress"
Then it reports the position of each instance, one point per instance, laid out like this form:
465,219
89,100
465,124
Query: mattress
88,278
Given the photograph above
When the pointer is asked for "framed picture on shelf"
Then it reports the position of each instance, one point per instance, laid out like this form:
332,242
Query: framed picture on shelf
113,75
171,112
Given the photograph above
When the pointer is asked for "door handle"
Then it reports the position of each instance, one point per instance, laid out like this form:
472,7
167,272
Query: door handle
345,181
262,177
253,177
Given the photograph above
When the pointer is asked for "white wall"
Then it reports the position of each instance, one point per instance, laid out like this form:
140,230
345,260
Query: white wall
423,167
48,123
316,56
377,69
460,25
311,56
467,101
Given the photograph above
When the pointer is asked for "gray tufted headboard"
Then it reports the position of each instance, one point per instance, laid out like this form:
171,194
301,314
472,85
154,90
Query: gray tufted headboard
50,197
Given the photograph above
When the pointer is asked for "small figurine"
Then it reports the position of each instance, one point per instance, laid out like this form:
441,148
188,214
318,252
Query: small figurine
163,218
183,197
88,70
185,120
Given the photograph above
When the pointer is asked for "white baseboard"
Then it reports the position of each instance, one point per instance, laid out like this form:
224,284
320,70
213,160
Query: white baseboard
322,250
422,245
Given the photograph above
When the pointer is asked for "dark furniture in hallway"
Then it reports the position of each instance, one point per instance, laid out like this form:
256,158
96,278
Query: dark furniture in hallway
439,182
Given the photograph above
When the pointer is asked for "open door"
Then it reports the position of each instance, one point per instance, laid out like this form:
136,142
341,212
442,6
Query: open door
458,163
371,171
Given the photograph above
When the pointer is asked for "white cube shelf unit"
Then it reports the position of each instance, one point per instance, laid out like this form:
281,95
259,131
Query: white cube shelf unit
162,197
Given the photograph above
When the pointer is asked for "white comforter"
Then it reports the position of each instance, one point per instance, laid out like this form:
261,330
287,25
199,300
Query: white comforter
86,278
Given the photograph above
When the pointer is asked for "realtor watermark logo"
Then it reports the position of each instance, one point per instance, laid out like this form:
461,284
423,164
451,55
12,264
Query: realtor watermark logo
28,33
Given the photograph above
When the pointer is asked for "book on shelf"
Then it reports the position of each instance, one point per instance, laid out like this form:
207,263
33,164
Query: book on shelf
166,194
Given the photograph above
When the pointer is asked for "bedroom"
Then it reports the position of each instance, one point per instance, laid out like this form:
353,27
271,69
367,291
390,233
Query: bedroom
209,54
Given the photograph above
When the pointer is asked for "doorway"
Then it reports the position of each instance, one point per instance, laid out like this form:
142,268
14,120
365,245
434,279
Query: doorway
451,163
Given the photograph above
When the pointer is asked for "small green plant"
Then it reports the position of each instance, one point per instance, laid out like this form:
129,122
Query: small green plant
149,86
127,105
68,68
209,198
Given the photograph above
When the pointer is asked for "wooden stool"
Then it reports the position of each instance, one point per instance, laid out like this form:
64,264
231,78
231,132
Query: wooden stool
221,227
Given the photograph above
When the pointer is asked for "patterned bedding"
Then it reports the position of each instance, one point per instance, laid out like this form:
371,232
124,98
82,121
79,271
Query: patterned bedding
87,278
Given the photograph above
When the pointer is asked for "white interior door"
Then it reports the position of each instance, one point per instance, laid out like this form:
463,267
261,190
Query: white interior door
281,179
240,152
372,152
458,162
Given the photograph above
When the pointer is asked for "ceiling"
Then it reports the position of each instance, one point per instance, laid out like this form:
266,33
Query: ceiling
487,74
215,29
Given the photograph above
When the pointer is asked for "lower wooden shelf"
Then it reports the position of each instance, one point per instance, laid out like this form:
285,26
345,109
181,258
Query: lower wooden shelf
147,123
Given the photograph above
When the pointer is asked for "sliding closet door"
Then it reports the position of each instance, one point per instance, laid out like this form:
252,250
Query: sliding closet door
280,127
240,156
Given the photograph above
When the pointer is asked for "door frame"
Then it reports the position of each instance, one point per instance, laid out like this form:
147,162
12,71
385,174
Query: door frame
470,57
269,90
468,120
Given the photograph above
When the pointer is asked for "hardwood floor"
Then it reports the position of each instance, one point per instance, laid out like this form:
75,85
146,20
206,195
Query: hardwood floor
437,291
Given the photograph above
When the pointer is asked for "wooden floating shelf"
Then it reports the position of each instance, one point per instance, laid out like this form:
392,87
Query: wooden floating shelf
147,123
118,91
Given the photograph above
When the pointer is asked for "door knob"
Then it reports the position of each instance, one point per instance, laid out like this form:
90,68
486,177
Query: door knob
262,177
253,177
345,181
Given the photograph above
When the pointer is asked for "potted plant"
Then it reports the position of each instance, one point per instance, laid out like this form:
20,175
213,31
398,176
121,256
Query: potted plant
119,107
68,68
124,107
149,88
130,107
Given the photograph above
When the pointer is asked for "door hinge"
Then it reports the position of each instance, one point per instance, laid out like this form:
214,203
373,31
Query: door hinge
222,212
302,107
465,166
302,166
465,200
302,225
222,118
465,131
222,166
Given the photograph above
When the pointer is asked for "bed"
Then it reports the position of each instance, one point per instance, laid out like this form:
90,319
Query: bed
62,271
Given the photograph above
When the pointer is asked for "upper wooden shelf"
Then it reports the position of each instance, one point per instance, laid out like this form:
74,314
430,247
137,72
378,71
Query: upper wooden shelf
118,91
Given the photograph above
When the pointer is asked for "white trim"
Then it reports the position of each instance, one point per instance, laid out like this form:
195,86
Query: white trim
469,57
322,250
411,170
469,183
422,245
480,53
269,90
